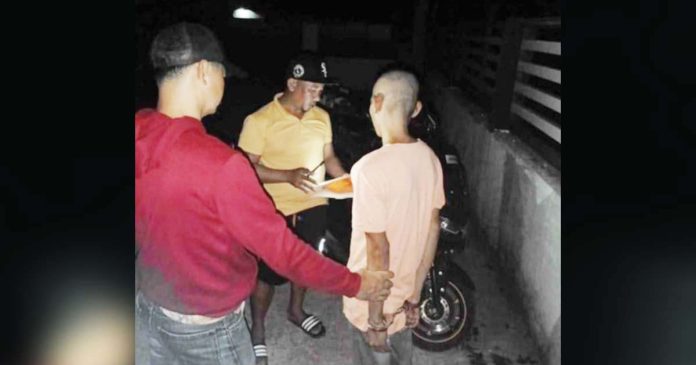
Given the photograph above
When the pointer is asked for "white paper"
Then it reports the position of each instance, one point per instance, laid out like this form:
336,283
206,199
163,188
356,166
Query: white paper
322,192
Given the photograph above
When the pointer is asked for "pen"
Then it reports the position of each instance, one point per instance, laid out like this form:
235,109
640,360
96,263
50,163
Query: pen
315,169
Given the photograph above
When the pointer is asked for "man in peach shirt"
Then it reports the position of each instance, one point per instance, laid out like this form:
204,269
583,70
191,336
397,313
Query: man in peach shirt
398,193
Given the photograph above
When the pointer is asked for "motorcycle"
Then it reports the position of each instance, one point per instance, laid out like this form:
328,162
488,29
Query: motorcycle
447,298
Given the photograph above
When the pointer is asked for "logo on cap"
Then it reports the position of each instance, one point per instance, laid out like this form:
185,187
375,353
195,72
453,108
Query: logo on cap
323,68
298,71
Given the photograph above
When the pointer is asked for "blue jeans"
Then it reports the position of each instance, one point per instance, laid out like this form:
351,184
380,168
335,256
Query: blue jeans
142,340
171,342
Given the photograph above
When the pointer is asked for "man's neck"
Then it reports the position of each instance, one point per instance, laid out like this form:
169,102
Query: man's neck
396,132
289,105
175,103
397,137
175,111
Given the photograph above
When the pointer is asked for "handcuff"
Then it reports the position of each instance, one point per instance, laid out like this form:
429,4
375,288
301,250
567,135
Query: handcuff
408,305
383,326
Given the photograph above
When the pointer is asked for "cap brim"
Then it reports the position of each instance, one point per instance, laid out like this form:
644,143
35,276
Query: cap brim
325,81
232,70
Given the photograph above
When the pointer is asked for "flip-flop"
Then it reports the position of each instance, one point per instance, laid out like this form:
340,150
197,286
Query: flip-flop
260,350
309,323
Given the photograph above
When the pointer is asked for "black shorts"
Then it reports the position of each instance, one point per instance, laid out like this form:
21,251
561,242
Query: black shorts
310,226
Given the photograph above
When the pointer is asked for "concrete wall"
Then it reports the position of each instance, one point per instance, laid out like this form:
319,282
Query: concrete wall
516,210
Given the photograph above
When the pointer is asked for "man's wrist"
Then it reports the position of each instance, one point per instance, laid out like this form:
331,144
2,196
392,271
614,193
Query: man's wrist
410,304
375,321
354,284
377,324
377,329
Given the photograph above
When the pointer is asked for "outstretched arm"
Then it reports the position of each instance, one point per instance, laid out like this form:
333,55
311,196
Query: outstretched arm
298,177
248,215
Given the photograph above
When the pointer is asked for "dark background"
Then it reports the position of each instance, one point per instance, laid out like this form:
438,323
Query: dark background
629,257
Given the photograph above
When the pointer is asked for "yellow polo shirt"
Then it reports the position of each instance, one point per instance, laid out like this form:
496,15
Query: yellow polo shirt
286,142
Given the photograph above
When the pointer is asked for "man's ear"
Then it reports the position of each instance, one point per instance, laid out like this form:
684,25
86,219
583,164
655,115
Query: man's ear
417,109
292,84
378,101
202,70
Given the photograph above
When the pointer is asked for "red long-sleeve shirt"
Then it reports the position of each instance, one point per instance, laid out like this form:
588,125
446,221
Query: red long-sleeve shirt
200,217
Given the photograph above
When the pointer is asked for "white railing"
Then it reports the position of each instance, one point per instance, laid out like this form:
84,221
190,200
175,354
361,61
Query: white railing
543,98
501,64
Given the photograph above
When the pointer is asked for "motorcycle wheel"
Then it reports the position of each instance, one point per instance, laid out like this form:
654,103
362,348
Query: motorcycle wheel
443,332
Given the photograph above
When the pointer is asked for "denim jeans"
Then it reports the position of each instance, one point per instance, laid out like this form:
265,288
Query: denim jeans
142,340
171,342
399,343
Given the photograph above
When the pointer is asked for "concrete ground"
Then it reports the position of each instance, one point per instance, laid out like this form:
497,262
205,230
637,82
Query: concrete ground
499,335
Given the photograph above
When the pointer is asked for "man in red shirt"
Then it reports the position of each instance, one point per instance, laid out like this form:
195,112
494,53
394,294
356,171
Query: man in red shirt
202,218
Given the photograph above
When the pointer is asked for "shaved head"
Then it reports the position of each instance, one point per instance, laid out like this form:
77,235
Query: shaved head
400,90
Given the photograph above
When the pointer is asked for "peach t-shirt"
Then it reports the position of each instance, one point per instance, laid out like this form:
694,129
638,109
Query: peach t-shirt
395,189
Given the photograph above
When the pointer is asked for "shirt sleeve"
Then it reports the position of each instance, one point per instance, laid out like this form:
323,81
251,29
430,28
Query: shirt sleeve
369,208
250,218
252,138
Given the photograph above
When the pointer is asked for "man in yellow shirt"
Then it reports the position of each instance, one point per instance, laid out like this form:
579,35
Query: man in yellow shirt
289,142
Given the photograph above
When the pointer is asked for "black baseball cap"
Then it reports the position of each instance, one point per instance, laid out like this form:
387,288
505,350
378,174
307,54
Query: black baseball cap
183,44
308,66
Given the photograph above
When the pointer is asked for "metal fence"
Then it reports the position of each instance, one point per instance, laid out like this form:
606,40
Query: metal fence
512,69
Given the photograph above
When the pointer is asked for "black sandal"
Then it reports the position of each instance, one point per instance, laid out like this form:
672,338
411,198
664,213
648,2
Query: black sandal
260,350
309,324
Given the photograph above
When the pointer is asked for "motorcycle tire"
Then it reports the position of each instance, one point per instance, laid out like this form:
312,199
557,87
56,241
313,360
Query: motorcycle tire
452,326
